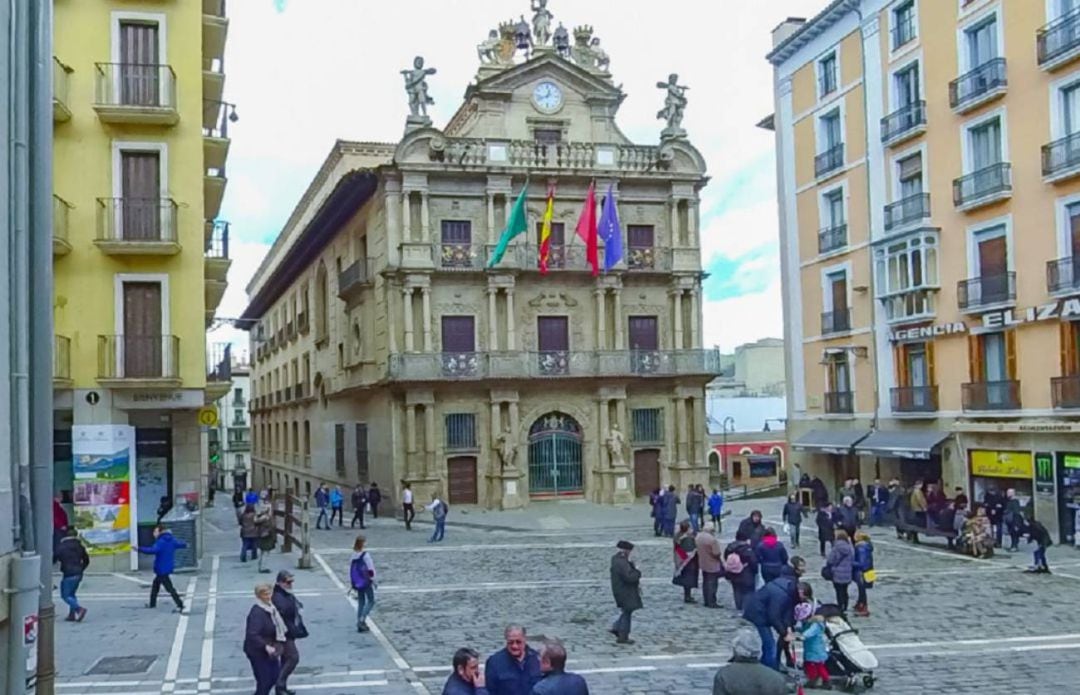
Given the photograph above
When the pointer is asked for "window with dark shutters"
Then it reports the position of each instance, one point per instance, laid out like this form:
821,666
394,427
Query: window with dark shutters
339,450
362,472
640,240
647,425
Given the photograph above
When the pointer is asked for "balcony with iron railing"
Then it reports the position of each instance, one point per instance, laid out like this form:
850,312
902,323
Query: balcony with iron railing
216,254
130,93
455,366
353,279
644,259
984,187
61,240
1065,391
137,226
61,361
61,106
907,211
914,399
988,291
1058,42
839,402
991,395
213,78
218,371
1061,159
829,161
215,28
832,238
903,124
129,361
838,321
975,88
1063,276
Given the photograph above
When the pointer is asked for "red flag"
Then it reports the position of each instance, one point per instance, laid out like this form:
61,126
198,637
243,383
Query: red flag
586,229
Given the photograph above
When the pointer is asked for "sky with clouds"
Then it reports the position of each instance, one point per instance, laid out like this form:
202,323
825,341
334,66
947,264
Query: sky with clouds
304,73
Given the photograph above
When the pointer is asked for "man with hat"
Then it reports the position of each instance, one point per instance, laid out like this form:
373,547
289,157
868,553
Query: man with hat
290,608
626,587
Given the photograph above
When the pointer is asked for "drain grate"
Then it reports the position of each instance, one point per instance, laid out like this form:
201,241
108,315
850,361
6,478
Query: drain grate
121,665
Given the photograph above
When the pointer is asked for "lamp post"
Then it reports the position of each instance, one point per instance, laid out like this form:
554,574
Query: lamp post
723,451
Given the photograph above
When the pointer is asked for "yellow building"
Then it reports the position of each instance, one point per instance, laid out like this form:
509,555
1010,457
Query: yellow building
928,160
139,256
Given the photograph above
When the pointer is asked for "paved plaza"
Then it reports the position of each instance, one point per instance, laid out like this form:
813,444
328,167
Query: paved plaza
939,621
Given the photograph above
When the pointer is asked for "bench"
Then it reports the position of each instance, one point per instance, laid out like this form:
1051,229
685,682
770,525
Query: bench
913,532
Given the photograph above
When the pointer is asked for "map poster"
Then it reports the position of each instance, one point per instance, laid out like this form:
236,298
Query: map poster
103,467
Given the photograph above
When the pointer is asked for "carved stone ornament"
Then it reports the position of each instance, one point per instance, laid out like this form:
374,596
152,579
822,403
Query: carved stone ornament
552,300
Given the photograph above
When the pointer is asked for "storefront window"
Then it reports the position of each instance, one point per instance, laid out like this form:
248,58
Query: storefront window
1068,488
1000,471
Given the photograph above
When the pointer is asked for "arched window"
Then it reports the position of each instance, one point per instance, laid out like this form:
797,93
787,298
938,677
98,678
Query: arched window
714,462
779,454
322,303
746,451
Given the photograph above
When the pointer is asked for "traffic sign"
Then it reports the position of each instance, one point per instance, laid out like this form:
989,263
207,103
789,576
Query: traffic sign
208,417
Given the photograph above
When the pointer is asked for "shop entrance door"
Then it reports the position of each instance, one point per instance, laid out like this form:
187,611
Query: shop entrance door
1068,502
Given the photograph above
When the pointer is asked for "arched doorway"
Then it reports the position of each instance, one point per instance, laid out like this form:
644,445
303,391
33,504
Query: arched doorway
555,456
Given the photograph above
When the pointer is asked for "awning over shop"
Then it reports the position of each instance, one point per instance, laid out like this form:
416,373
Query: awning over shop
907,444
829,441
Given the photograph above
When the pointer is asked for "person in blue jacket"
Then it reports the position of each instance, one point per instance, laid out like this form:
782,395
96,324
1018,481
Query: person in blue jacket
556,680
771,609
716,510
337,505
515,669
164,552
771,554
467,678
863,564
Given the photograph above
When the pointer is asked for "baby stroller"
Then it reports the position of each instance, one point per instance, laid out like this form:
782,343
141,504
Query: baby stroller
851,664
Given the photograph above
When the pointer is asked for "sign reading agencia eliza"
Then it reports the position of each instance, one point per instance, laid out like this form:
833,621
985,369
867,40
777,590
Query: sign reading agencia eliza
1003,318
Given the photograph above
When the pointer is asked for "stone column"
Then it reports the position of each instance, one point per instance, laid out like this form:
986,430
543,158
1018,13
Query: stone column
493,234
393,223
622,415
511,329
493,333
410,439
676,233
699,441
391,322
678,334
429,440
515,421
620,343
425,293
406,216
691,222
410,324
680,431
601,320
605,427
425,217
695,318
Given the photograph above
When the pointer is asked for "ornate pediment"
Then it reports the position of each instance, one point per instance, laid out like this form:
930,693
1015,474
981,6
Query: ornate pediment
552,300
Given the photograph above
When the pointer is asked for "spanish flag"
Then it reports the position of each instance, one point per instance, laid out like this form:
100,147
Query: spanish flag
545,230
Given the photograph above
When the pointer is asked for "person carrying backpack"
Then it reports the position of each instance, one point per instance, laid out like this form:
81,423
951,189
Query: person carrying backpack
362,578
740,568
439,510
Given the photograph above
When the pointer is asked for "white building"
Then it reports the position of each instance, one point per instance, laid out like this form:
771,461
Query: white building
231,440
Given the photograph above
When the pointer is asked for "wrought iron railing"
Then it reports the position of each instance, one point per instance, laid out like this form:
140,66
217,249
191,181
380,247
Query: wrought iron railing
60,83
138,357
551,364
1063,275
1061,155
829,160
61,210
986,290
835,321
914,399
1058,38
137,219
839,402
973,86
832,238
991,395
219,362
903,120
217,246
138,86
907,210
985,183
460,256
1066,391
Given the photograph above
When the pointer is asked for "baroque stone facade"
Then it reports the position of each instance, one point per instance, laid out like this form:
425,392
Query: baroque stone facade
385,348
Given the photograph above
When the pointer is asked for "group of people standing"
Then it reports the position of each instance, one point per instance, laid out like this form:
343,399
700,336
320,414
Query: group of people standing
516,669
331,505
664,509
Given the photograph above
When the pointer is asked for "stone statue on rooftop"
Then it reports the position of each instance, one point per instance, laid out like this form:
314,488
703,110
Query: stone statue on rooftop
541,22
674,106
561,41
603,61
417,89
488,51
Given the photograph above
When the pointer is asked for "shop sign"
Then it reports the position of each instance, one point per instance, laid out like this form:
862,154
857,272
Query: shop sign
182,399
924,332
1044,473
1002,464
1063,309
1032,427
1071,461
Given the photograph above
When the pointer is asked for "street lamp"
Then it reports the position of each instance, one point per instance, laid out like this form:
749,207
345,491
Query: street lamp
723,451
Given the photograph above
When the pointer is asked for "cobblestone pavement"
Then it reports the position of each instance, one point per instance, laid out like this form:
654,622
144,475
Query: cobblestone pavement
939,620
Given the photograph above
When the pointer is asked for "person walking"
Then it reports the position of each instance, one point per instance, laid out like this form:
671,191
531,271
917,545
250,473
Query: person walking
164,552
846,517
374,496
917,504
467,678
291,611
711,562
1013,519
267,538
670,510
772,556
740,568
792,515
656,511
626,589
839,568
815,650
556,680
514,669
362,578
752,528
359,501
73,559
716,510
879,500
826,529
264,639
863,564
337,507
745,673
1038,534
322,501
408,512
249,533
695,507
686,564
439,510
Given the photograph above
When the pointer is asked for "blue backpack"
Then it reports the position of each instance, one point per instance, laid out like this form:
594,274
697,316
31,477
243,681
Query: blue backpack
358,573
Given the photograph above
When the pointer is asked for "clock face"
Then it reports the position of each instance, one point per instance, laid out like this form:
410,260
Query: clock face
547,96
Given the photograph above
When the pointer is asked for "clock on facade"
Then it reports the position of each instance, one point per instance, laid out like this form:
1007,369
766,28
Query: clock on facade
547,97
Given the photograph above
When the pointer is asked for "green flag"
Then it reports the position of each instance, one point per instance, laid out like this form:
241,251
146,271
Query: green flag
518,223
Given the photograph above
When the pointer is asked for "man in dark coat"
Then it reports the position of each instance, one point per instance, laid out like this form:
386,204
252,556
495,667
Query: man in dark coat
556,680
374,496
289,607
994,502
669,507
514,669
695,507
359,499
73,559
772,609
626,588
752,527
467,678
1038,534
879,500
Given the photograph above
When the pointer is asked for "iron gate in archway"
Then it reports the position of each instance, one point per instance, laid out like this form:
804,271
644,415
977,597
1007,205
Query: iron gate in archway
555,456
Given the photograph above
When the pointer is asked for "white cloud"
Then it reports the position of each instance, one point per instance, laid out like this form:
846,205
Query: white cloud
744,319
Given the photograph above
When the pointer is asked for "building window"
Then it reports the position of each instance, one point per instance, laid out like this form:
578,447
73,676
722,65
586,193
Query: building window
640,243
906,86
827,75
830,144
910,175
830,130
907,275
460,431
362,472
457,251
238,397
295,440
339,450
984,141
904,25
238,417
833,234
647,425
556,244
547,136
915,377
994,386
982,43
322,298
459,346
838,396
307,437
837,315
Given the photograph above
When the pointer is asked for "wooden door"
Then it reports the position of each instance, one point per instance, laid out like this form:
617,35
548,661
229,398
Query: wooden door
993,268
461,480
139,80
140,190
142,341
646,471
644,333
